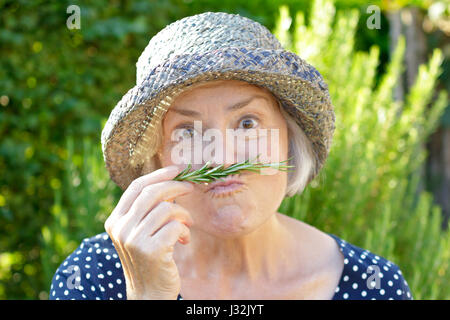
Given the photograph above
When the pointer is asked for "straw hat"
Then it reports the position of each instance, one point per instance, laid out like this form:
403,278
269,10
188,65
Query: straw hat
204,47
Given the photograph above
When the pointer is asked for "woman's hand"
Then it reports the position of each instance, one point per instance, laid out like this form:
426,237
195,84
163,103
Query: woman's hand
144,228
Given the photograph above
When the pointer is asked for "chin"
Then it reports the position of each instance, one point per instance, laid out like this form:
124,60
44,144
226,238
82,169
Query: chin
231,218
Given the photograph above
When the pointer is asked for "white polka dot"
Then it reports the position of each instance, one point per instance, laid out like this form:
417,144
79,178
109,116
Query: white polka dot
108,257
355,286
337,289
109,272
57,277
110,285
346,278
87,266
386,268
92,288
399,292
382,292
390,283
119,295
98,251
364,275
117,265
355,268
105,250
395,277
363,293
100,275
88,275
345,261
380,275
105,237
88,258
119,281
345,296
61,284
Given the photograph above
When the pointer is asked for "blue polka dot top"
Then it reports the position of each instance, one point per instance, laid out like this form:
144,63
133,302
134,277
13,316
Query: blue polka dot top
94,272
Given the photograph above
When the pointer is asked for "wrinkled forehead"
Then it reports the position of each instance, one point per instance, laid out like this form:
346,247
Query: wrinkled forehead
224,89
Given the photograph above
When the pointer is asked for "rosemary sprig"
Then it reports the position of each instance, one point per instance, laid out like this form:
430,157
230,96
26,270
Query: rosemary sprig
209,174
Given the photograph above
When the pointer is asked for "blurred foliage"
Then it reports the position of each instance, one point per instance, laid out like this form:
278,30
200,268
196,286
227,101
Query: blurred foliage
367,191
57,87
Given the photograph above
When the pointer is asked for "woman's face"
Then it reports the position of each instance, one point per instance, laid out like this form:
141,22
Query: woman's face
233,210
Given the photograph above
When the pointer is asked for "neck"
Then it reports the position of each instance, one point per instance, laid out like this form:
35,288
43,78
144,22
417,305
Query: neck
262,255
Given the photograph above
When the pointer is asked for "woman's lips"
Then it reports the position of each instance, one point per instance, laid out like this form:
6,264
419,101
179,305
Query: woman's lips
227,187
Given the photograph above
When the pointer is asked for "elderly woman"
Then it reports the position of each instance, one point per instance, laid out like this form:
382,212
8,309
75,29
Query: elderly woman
170,239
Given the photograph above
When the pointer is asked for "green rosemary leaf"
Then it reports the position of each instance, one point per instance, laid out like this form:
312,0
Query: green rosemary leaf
209,174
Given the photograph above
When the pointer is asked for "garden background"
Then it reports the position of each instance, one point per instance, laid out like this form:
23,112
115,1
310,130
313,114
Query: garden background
385,186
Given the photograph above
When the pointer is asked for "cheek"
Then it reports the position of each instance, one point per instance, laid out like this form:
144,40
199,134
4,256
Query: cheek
267,186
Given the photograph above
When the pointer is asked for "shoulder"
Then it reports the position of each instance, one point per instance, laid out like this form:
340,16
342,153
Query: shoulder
367,275
92,271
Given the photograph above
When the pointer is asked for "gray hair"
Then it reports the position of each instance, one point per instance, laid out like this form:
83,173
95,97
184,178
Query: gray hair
304,160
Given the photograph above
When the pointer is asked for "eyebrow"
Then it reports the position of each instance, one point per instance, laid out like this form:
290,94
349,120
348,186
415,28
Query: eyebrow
234,107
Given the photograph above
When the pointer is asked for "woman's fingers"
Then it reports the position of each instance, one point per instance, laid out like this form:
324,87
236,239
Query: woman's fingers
166,237
134,190
136,187
148,199
161,215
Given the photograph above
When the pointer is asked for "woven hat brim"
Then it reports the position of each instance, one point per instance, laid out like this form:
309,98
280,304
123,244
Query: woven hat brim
129,136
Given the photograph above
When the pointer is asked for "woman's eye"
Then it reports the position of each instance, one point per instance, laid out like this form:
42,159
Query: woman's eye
248,123
185,133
